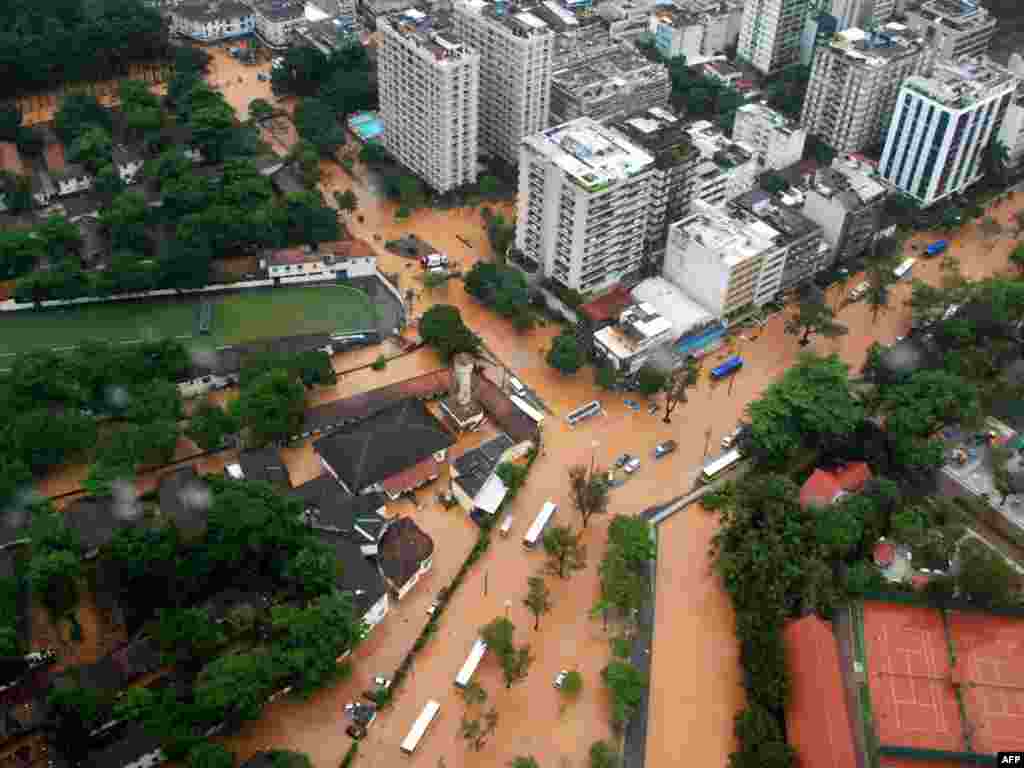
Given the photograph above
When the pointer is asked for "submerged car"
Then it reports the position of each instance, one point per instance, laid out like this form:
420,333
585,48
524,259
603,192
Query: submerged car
665,448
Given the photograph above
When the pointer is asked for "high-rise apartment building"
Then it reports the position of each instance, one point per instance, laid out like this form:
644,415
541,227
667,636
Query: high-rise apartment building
862,13
953,28
429,85
515,48
726,168
942,126
779,140
621,81
854,83
1011,132
770,33
581,210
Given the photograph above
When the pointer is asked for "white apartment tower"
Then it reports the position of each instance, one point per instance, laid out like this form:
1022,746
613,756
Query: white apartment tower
854,83
770,33
774,136
515,48
584,193
429,85
953,28
942,126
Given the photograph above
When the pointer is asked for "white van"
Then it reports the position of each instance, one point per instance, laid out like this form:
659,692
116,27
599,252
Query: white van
516,384
858,293
434,260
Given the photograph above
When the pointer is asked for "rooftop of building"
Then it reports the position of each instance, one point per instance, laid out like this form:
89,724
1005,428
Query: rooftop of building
671,303
677,17
607,307
732,237
853,182
957,14
403,548
557,16
778,121
431,32
517,18
329,507
608,73
279,10
638,326
593,155
761,208
212,11
876,49
962,84
716,147
660,132
476,465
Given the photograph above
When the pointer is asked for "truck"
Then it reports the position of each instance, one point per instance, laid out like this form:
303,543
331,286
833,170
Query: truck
434,260
934,249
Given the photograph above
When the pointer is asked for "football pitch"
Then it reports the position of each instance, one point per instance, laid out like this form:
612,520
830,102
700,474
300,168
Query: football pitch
237,317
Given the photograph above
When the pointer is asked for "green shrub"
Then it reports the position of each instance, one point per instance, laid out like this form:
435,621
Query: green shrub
350,755
380,363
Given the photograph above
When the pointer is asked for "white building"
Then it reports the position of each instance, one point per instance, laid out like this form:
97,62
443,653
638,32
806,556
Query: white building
770,33
854,83
429,85
679,32
953,28
516,49
276,19
942,126
71,179
1011,132
329,262
630,343
727,168
209,22
582,204
777,138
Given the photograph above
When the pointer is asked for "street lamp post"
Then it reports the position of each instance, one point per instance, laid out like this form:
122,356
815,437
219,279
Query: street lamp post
707,441
508,604
594,445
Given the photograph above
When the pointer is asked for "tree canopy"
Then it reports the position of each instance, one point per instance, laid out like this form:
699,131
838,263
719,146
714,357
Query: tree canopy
441,327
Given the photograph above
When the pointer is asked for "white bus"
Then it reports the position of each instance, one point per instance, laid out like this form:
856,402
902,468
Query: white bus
583,412
420,727
538,525
528,409
723,463
476,654
904,269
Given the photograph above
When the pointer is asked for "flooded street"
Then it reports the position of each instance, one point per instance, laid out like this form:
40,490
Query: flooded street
696,655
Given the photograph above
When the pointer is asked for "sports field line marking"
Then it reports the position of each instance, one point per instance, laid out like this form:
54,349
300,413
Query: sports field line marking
934,706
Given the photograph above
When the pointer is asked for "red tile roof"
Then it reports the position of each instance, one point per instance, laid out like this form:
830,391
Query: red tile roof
884,554
10,158
609,306
817,719
294,256
824,486
413,477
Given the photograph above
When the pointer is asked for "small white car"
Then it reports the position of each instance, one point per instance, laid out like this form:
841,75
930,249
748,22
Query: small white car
632,465
858,293
560,678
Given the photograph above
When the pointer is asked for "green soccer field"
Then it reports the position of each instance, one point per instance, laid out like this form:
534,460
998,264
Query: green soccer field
238,317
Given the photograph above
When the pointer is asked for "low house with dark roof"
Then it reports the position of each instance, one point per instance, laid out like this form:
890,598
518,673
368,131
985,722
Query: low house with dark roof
96,520
474,483
135,748
185,500
260,465
351,526
365,456
818,724
826,486
405,554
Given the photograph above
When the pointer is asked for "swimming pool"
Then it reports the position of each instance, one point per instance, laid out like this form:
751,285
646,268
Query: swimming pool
366,125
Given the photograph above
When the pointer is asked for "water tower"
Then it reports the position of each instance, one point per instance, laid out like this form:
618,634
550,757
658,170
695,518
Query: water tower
460,406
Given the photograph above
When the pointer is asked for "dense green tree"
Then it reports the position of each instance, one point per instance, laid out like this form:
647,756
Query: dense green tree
538,598
678,382
53,577
108,182
60,237
524,761
10,122
349,89
565,355
211,426
44,439
441,327
760,741
185,634
74,711
210,755
20,252
346,201
235,686
79,111
627,684
213,126
651,380
92,147
565,550
314,570
499,636
589,490
838,528
260,110
602,755
309,220
984,576
813,317
125,220
272,407
317,123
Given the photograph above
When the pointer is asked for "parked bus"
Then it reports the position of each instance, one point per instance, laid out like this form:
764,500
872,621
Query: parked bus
420,727
583,412
476,654
936,248
722,464
905,269
731,365
528,409
538,525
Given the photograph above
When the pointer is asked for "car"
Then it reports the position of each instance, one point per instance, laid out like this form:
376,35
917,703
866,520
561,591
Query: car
262,77
622,461
632,466
858,293
560,678
652,408
729,439
665,448
434,606
382,682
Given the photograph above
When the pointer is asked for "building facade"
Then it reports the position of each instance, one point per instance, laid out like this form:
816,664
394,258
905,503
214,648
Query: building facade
846,201
429,85
639,334
584,191
862,13
276,19
942,126
777,138
516,49
854,83
209,22
726,167
953,28
1011,132
613,86
676,32
770,33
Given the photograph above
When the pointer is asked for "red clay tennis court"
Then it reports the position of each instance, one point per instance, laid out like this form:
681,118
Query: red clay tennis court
990,667
909,676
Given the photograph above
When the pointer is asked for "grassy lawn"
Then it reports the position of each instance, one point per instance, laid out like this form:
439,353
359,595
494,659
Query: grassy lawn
238,317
